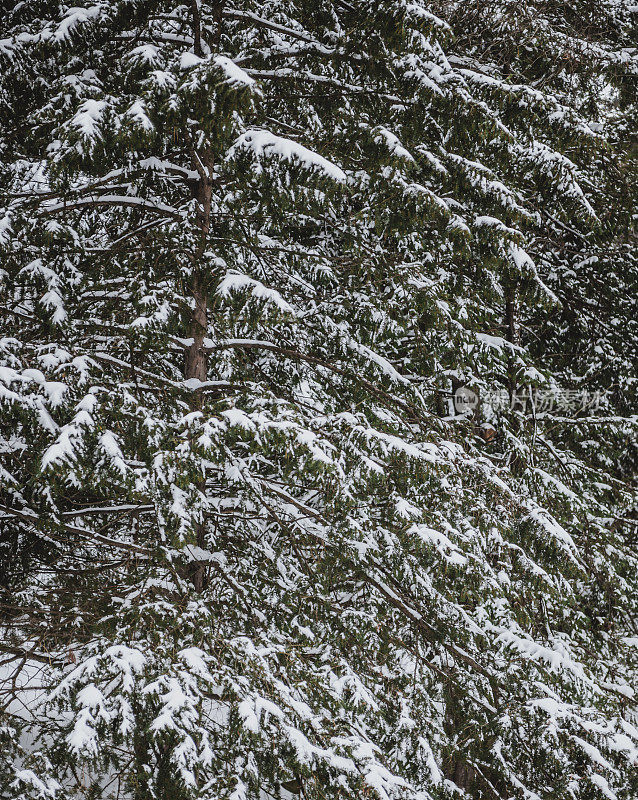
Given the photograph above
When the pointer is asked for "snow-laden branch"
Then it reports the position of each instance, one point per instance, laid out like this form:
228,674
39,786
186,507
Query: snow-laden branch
38,521
120,201
265,23
264,143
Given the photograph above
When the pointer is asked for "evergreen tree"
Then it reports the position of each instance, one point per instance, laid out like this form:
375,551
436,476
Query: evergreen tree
247,252
582,52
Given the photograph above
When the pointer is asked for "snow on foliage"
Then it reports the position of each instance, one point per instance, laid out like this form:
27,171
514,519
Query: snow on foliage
266,143
250,546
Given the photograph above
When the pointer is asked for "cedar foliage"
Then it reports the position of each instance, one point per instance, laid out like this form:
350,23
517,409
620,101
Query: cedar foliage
248,251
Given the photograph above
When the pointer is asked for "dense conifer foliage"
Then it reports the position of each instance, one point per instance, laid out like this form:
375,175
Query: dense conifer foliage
251,254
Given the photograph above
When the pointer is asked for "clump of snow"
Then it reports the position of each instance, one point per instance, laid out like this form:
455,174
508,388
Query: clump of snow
263,143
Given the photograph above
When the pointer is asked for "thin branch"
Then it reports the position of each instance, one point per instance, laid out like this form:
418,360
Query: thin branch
85,533
264,23
117,201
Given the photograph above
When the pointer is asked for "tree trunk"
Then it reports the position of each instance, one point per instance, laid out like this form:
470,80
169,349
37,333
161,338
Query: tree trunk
196,360
511,334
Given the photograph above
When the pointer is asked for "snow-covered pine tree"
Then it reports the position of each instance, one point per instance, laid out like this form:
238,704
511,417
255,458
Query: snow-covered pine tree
244,249
584,53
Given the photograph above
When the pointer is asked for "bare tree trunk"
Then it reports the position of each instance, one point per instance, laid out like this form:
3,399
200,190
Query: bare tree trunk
196,360
197,28
516,462
511,324
455,766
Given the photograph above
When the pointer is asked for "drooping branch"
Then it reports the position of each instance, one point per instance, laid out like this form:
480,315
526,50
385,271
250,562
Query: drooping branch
39,522
119,201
